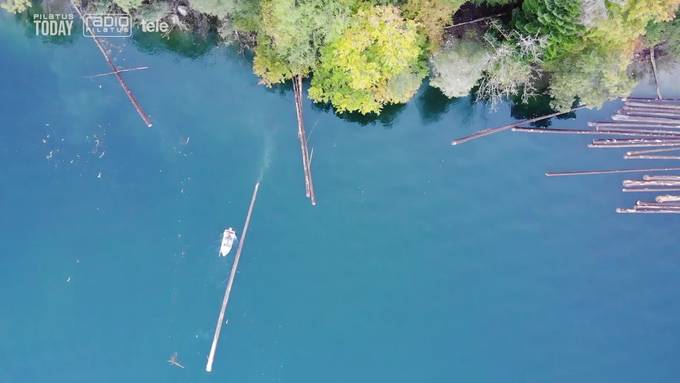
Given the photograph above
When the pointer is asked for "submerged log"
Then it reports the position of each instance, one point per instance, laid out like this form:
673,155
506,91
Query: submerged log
608,171
121,81
652,60
489,131
118,71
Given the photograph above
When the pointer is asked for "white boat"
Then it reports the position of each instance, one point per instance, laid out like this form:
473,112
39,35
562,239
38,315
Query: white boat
228,238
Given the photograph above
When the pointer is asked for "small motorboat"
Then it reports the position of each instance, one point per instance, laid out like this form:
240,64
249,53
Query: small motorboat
228,239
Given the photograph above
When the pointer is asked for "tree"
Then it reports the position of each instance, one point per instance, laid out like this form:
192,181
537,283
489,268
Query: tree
15,6
459,65
378,59
219,8
128,5
291,34
514,66
432,16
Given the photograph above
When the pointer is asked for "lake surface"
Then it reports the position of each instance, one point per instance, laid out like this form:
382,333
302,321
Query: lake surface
422,262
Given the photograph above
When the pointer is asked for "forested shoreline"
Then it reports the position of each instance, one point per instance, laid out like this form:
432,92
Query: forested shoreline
362,55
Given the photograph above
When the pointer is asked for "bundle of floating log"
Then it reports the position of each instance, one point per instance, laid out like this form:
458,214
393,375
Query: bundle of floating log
652,127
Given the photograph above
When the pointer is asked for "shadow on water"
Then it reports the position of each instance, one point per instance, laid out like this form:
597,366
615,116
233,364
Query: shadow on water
187,44
535,106
386,118
433,104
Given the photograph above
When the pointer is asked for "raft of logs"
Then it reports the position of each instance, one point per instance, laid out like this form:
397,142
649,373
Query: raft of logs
650,129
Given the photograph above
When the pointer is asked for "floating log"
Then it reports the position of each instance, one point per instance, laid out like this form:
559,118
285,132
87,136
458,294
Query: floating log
633,113
638,130
649,109
489,131
648,100
230,282
477,20
649,190
633,143
118,71
638,211
643,183
644,105
664,177
647,157
612,171
636,125
652,60
649,151
655,120
655,205
121,81
667,198
306,163
614,132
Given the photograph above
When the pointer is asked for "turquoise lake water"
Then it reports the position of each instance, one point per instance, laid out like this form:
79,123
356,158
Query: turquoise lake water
422,262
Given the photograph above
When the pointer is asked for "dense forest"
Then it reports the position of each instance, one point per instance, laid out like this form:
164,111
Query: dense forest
361,55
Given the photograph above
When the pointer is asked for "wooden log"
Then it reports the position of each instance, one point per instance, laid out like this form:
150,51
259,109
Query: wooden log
649,151
635,113
643,183
616,125
649,190
649,109
648,157
633,143
608,171
121,81
118,71
489,131
663,177
306,163
473,21
654,120
638,211
656,78
667,198
662,106
639,130
615,132
657,205
648,100
230,281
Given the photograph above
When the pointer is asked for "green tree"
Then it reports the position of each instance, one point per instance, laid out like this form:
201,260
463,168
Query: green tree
377,60
219,8
15,6
128,5
459,65
432,16
292,33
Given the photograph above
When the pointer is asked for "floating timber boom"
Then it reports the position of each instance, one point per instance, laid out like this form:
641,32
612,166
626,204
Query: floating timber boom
230,282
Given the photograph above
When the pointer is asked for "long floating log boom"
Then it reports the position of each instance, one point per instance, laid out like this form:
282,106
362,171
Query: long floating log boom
489,131
115,70
649,190
230,282
608,171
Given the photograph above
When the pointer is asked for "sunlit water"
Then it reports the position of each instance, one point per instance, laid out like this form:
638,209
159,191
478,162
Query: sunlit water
422,262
